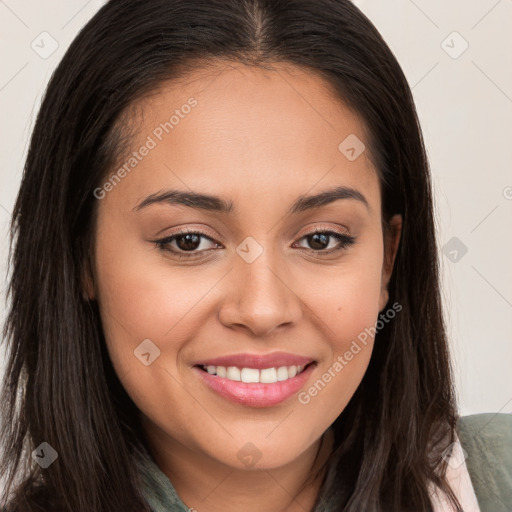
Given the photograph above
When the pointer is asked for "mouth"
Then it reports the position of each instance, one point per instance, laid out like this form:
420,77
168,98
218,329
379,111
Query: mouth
254,375
260,387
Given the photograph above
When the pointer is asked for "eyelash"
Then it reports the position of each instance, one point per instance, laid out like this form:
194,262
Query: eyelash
344,240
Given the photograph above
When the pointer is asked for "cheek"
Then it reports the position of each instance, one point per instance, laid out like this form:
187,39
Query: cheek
144,297
141,301
346,306
346,297
138,302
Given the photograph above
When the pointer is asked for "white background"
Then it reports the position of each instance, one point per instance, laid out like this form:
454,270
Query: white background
465,107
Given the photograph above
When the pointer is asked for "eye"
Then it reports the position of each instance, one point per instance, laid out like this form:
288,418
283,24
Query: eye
189,243
185,242
319,241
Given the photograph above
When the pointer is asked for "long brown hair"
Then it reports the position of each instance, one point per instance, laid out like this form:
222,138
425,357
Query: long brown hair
60,386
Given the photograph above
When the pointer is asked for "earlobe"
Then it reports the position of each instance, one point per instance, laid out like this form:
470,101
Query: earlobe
394,234
391,243
89,292
384,297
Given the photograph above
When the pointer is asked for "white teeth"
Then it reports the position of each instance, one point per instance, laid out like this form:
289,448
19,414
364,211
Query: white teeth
233,373
253,375
282,373
268,376
250,375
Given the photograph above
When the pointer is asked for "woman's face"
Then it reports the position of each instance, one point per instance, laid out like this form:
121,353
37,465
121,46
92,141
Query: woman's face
255,288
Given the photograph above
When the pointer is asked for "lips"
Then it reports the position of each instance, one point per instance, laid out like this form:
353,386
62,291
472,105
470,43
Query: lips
275,359
250,392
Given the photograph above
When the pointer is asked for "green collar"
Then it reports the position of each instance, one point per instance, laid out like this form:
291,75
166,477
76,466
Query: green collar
157,489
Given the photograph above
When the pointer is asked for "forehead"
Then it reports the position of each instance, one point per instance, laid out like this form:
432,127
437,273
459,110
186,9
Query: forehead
230,124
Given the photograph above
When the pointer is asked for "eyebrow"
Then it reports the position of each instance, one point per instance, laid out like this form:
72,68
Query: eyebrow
217,204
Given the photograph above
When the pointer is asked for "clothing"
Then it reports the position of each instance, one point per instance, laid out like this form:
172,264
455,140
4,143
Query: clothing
460,482
486,473
487,439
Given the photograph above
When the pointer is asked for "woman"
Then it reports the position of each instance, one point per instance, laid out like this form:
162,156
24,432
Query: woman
225,289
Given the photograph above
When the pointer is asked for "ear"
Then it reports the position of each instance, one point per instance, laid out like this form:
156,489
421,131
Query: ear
88,288
391,241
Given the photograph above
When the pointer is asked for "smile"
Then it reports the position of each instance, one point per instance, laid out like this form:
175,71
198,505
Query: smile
254,375
255,380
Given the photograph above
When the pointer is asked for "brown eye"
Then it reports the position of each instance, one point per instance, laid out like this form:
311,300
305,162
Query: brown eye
185,242
188,242
319,241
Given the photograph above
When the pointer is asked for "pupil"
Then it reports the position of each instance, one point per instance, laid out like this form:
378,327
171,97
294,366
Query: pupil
324,241
191,242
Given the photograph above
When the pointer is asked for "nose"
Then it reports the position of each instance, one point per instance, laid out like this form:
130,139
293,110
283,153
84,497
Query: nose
260,297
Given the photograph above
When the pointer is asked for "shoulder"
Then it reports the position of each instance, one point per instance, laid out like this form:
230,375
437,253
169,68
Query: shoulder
487,443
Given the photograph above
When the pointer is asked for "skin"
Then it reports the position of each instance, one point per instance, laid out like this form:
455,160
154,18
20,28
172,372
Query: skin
260,139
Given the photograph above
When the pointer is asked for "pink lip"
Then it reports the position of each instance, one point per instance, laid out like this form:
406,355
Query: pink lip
273,360
255,394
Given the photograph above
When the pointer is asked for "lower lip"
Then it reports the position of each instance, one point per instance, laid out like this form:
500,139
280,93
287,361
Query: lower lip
256,394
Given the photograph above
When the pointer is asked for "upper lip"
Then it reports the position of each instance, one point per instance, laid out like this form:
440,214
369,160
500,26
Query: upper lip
257,361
